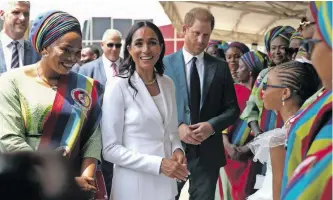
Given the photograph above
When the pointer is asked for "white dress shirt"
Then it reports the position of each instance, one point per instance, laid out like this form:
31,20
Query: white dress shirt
188,64
8,49
107,67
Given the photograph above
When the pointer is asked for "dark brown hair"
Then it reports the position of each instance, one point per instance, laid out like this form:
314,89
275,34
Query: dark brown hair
200,14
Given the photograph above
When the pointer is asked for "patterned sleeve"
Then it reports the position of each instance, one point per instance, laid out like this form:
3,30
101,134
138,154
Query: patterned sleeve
92,144
251,111
92,148
312,178
12,129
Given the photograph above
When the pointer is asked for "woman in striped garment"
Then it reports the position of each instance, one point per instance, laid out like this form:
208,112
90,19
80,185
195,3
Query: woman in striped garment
308,163
45,105
236,179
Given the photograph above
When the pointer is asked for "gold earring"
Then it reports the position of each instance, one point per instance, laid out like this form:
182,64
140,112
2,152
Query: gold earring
283,104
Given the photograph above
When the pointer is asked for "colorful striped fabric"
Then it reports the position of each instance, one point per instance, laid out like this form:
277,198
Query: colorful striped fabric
223,45
314,7
303,131
313,177
78,98
325,22
241,46
296,35
282,31
270,120
239,132
254,61
50,26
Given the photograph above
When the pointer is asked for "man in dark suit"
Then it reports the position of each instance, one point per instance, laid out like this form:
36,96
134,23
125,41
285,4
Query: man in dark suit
206,103
14,50
104,69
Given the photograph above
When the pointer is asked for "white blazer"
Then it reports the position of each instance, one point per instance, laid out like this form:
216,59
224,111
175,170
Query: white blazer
136,138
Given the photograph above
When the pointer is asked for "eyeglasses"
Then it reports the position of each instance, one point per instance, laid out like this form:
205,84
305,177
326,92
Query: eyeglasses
265,86
309,44
110,45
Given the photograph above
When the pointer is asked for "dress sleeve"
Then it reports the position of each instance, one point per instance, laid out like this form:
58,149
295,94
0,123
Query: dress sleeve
261,145
12,129
251,111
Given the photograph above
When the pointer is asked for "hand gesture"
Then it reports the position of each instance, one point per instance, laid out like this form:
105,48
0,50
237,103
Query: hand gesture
178,155
186,135
86,183
202,130
173,169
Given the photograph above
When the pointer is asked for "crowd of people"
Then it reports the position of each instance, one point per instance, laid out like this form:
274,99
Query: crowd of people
236,123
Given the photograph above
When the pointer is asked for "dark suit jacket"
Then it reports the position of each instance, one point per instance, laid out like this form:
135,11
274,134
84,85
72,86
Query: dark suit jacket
30,56
219,103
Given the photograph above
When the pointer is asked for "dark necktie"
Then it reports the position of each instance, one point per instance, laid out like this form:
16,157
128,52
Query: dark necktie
15,56
195,93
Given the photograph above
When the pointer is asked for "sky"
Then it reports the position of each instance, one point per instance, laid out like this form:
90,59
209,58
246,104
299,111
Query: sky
85,9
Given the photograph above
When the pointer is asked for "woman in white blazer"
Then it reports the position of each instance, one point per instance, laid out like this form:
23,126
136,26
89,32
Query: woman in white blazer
139,123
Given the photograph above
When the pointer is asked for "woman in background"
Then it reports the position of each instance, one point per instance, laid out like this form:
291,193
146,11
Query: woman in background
258,118
233,53
308,163
288,86
237,179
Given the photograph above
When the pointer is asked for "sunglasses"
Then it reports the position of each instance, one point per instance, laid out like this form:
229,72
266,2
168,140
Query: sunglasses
308,44
265,86
110,45
304,23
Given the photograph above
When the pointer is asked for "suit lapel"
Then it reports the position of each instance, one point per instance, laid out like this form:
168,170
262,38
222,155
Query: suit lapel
209,73
166,96
101,71
179,68
27,53
3,67
145,100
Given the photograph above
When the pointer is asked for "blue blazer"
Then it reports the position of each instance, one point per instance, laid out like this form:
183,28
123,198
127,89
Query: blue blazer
219,103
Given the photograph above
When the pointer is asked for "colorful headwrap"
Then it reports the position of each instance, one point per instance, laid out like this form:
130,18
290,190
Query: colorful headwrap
223,45
324,22
50,26
282,31
242,47
314,7
254,61
296,35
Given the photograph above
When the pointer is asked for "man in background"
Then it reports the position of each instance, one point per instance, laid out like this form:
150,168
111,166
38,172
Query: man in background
15,52
88,54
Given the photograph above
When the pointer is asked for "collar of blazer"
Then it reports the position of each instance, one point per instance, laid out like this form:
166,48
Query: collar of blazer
146,102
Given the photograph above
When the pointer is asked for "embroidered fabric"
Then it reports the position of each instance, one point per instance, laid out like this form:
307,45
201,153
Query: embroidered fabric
261,145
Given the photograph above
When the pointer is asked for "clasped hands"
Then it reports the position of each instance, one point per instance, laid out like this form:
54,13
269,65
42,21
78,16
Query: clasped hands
176,166
195,134
86,183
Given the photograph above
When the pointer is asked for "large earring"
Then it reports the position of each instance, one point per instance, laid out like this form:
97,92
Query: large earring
283,103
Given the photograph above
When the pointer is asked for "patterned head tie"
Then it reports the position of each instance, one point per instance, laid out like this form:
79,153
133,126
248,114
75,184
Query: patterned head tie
254,61
324,22
296,35
50,26
282,31
241,46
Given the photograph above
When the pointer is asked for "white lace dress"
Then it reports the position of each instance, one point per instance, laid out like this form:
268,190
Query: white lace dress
261,148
